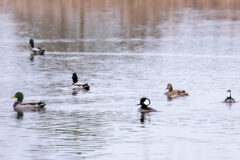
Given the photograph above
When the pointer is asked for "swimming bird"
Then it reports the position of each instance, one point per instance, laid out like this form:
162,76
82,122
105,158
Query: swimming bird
76,86
229,98
35,50
145,102
21,106
172,92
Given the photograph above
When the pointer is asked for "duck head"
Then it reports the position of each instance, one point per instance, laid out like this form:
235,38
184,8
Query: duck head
31,42
74,78
229,94
144,102
19,96
169,87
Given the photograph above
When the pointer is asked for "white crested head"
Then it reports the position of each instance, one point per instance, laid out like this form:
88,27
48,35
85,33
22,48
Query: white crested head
146,102
229,94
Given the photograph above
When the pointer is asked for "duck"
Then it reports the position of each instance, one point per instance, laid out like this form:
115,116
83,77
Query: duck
229,98
145,102
76,86
21,106
175,93
35,50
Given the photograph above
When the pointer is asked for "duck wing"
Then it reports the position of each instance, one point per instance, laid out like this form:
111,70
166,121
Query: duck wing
79,84
229,100
177,93
39,104
147,110
181,92
35,49
171,93
29,103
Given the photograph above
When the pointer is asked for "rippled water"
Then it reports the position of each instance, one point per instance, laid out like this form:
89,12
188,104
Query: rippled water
124,50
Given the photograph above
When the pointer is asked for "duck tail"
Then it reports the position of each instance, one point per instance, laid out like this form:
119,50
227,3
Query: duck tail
41,51
41,104
86,87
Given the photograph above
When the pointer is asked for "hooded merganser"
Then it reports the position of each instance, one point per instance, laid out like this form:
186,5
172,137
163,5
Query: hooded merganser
229,98
145,102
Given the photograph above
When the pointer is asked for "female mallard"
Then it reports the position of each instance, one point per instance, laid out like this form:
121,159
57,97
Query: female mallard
172,92
76,86
229,98
145,102
21,106
36,50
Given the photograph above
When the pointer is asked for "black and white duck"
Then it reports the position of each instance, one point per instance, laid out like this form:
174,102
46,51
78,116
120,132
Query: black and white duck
145,102
229,98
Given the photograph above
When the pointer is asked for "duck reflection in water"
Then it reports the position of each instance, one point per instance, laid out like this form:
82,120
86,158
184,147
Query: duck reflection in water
144,117
19,114
31,57
170,98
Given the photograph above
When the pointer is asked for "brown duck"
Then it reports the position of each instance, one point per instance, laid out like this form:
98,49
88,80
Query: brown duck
172,92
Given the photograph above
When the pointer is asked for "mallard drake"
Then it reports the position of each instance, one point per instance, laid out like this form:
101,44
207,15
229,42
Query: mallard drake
21,106
76,86
145,102
172,92
229,98
35,50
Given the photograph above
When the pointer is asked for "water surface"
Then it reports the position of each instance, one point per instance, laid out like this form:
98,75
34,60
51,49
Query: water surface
125,50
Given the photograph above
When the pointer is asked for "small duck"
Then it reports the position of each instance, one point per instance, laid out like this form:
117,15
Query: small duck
172,92
229,98
21,106
35,50
145,102
76,86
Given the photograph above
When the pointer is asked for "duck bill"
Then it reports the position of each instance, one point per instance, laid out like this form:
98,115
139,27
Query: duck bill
13,97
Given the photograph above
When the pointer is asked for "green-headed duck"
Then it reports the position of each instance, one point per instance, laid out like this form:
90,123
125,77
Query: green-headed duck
21,106
35,50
